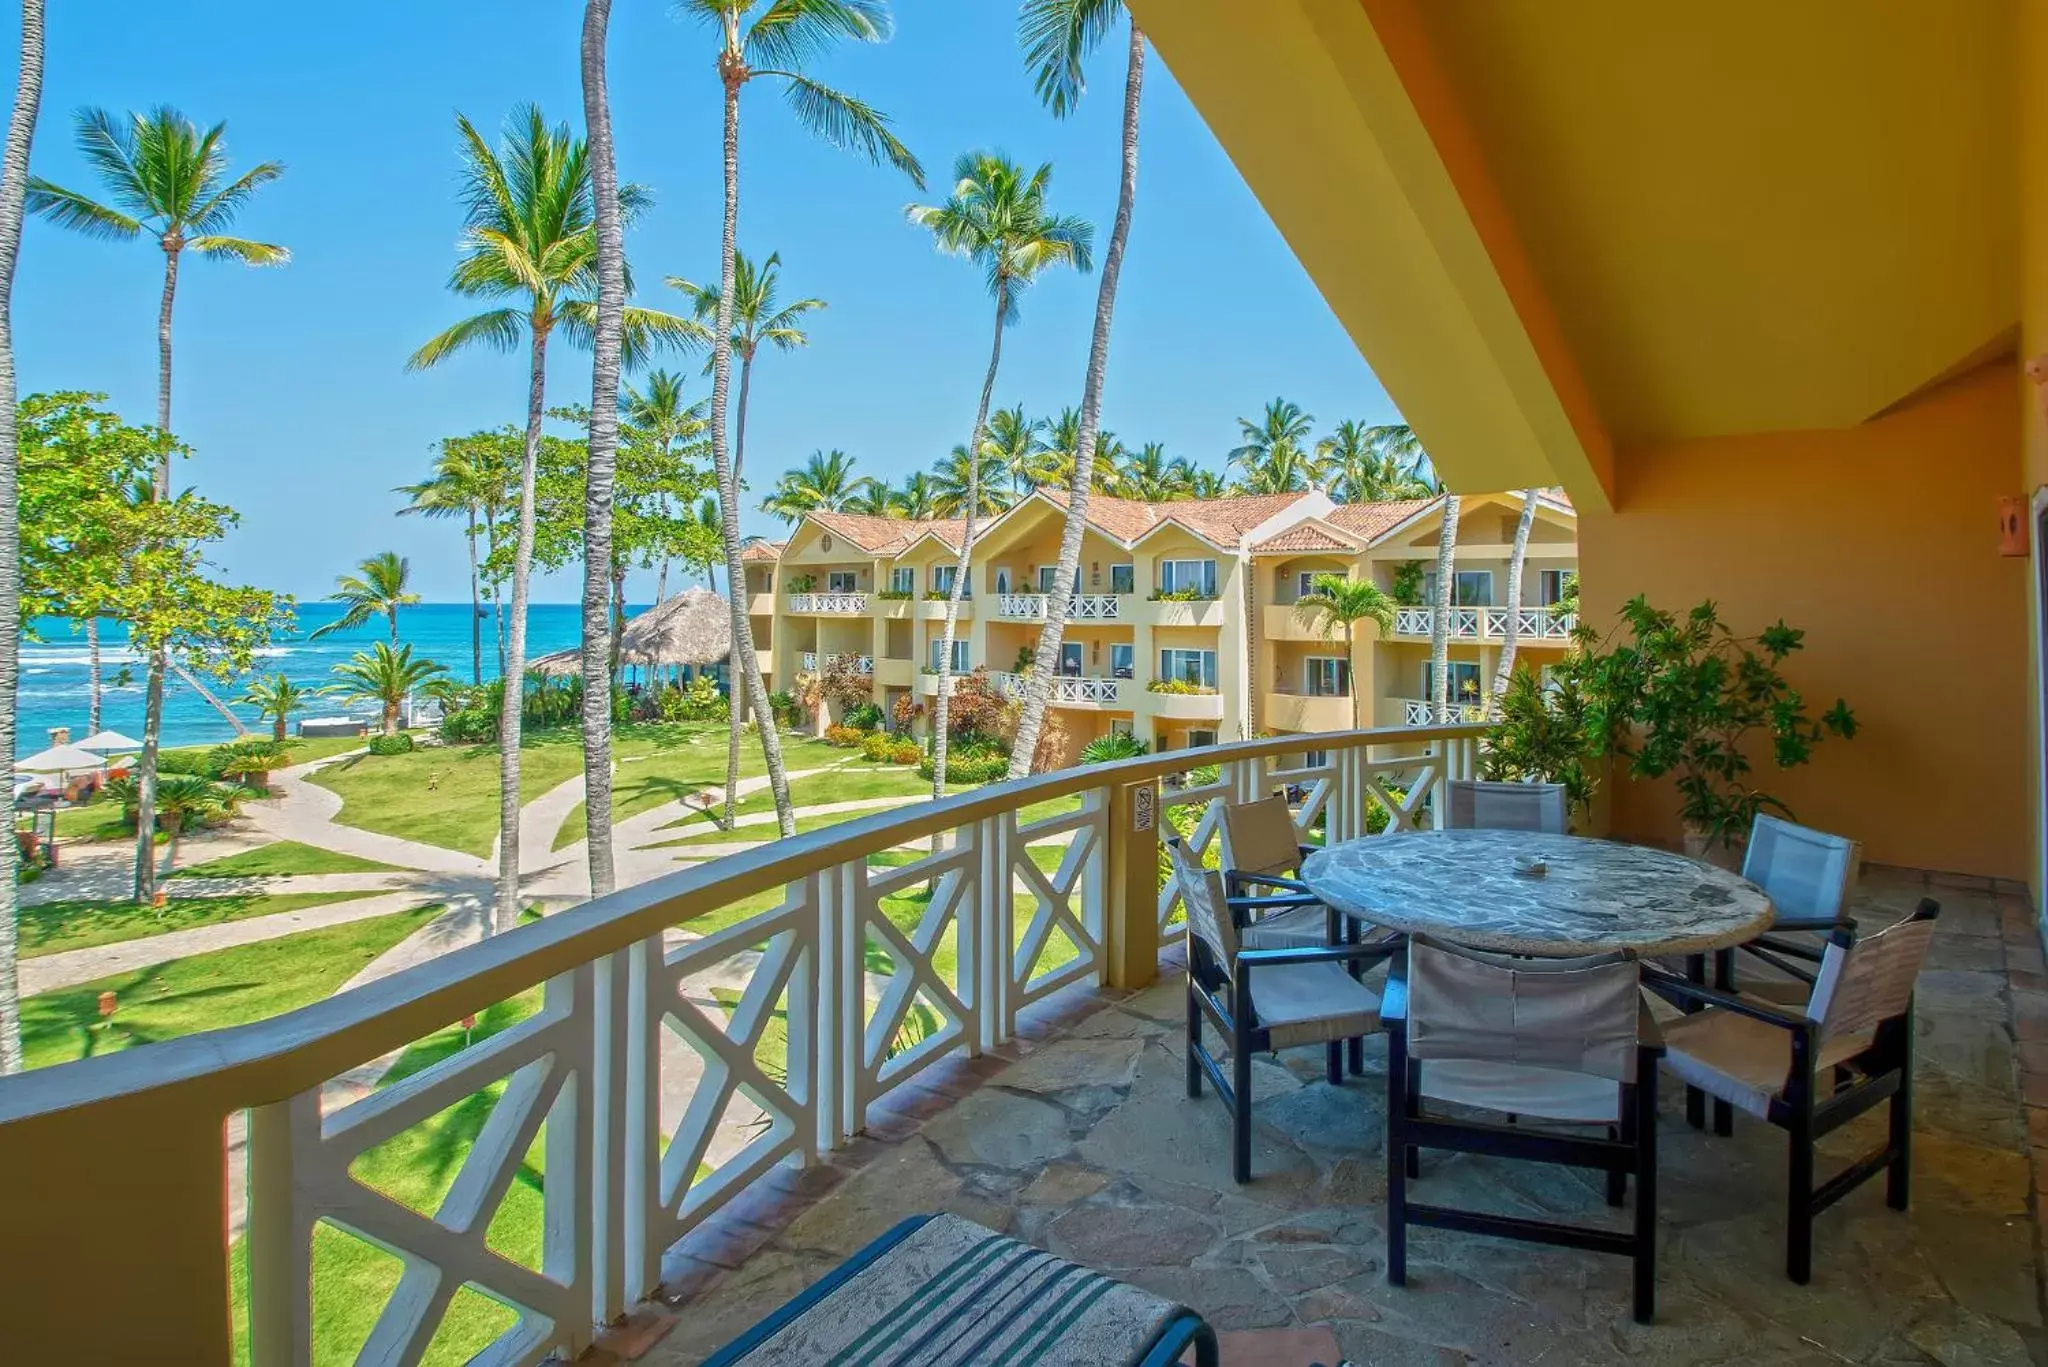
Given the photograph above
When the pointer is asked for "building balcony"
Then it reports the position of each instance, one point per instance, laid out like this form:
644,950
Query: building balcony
928,684
852,664
1201,612
1488,624
1281,622
760,605
895,673
934,609
1186,706
1082,607
1084,691
828,604
894,609
1302,712
1421,712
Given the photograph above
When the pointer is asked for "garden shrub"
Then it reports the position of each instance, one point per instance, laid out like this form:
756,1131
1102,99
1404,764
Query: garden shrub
875,746
903,751
400,744
968,768
844,736
701,701
185,762
865,716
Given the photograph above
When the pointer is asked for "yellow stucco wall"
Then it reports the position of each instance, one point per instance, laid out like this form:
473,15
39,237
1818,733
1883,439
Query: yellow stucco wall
1880,542
2032,50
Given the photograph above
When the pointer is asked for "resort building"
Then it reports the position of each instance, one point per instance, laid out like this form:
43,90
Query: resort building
1183,629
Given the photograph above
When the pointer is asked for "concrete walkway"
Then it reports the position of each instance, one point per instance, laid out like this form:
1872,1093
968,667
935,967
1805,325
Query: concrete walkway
306,812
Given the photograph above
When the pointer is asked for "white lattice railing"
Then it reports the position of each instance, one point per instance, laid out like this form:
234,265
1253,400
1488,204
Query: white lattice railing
1030,606
1472,623
1084,689
1422,712
635,1068
828,602
1095,607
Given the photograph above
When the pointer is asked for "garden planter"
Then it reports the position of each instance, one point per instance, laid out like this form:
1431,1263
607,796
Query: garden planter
1722,855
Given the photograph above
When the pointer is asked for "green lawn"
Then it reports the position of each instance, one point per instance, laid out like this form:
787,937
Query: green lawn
282,859
689,763
54,927
94,821
853,783
1037,811
207,991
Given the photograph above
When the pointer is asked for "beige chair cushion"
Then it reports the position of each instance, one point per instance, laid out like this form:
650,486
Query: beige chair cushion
1742,1061
1294,928
1543,1093
1311,1003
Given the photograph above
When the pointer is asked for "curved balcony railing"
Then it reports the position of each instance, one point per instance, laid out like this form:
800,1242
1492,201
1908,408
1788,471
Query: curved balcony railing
692,1034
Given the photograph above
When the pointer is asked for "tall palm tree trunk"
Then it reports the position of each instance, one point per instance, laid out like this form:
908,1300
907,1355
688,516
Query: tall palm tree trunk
1440,619
497,590
1351,678
1044,662
599,641
512,703
207,695
92,669
733,70
159,657
476,610
732,708
21,127
941,706
1511,638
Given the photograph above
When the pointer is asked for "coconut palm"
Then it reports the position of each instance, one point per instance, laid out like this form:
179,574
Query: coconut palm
755,319
1440,614
1275,456
1016,442
1511,635
1057,36
21,127
1336,604
1151,475
660,415
1370,464
277,697
956,480
380,586
780,40
873,499
918,498
996,216
530,235
1207,484
826,483
456,488
160,175
385,676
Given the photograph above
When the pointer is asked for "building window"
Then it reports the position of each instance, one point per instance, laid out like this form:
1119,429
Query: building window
959,654
1326,676
839,581
1551,586
1469,588
902,579
1464,682
1198,739
1315,759
1179,576
1123,578
1121,661
1070,658
1121,726
1046,575
1196,667
1305,582
943,577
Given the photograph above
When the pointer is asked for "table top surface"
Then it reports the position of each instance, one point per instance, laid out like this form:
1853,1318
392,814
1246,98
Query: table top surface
1595,896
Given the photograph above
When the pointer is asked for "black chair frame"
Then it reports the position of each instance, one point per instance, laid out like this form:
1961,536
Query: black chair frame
1630,1149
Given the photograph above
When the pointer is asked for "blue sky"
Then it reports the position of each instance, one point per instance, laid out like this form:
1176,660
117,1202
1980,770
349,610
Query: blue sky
290,382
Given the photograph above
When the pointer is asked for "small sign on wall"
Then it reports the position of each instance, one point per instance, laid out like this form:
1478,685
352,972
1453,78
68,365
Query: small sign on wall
1144,807
2012,525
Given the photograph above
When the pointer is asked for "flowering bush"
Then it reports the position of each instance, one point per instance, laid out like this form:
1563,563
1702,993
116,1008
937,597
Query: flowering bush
845,736
1178,687
875,746
904,751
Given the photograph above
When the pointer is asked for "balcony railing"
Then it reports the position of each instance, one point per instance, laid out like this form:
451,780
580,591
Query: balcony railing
855,664
1420,712
1475,623
683,1047
828,602
1082,607
1069,690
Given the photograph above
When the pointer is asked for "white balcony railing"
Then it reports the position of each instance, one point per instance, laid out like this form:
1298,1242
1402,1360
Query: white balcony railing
1082,607
828,602
1473,623
1088,691
857,664
1420,712
1029,606
682,1047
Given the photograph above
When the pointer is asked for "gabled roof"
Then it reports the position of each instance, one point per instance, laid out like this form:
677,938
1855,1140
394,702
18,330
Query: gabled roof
1223,522
884,535
763,550
1372,520
1307,538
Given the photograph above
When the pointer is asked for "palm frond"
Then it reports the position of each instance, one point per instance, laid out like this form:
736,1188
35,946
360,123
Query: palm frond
792,32
499,330
70,209
848,123
111,150
1057,35
218,210
242,250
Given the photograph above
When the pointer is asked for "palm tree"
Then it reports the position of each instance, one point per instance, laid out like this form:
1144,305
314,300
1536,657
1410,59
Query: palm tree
1057,36
1336,604
1370,464
160,175
379,588
1511,637
873,499
918,499
996,216
825,483
1440,616
755,319
660,416
956,480
1275,458
21,127
775,46
456,489
530,234
1150,475
1016,443
383,675
185,798
277,697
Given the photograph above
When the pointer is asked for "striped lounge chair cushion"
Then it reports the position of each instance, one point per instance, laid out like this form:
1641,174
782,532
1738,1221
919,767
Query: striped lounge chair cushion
940,1291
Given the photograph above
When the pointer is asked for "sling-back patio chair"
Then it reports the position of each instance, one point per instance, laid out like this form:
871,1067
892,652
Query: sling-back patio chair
1476,805
1262,1000
1552,1048
1810,1071
1261,854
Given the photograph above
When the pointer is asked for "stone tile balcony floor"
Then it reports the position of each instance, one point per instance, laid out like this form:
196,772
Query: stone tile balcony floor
1081,1139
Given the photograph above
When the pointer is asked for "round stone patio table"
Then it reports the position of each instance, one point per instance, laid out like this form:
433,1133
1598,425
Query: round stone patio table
1595,896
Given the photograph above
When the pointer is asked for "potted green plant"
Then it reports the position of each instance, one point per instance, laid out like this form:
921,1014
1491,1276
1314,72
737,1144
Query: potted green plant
1689,698
1543,734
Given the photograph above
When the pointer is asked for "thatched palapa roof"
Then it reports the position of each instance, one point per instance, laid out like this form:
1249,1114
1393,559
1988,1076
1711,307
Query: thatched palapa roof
563,664
692,628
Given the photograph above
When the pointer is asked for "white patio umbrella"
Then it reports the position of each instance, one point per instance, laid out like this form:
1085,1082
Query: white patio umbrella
110,743
62,760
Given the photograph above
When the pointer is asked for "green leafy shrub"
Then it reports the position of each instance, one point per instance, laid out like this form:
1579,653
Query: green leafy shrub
865,716
784,706
847,737
968,768
1188,595
894,595
701,701
875,746
1114,746
803,583
1408,583
400,744
1179,687
1544,734
905,751
185,762
469,726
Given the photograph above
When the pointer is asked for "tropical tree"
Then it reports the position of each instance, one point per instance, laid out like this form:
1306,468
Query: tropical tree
918,499
1275,457
780,40
756,319
1207,484
959,479
1440,615
873,499
385,676
530,236
458,487
380,586
21,127
996,217
1016,444
1114,746
660,417
1336,604
277,697
826,483
161,175
1370,464
1152,476
1057,36
1511,635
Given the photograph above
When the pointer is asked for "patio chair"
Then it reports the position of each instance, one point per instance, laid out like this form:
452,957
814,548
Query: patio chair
1480,806
938,1288
1260,850
1812,1071
1262,1000
1552,1046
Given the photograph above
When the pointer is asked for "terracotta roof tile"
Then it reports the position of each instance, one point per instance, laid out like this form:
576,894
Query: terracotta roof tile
883,535
1304,537
764,550
1221,520
1372,520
